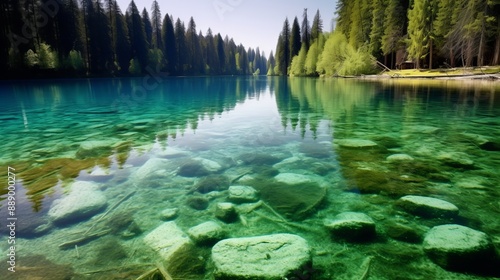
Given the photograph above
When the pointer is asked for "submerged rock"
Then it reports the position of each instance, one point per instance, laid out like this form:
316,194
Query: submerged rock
482,142
403,233
352,226
214,182
295,201
424,129
169,213
456,159
294,178
198,167
259,159
242,194
151,167
95,148
207,233
197,202
168,240
427,206
269,257
457,247
226,212
355,143
399,157
83,201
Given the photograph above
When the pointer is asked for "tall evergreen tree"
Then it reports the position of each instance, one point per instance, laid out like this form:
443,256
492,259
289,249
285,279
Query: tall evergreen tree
295,39
306,31
221,53
283,51
138,42
393,29
445,20
122,43
148,27
195,59
317,27
212,57
418,31
377,30
169,44
156,24
181,48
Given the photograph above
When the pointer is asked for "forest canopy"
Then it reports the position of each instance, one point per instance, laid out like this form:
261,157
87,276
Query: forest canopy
94,37
425,33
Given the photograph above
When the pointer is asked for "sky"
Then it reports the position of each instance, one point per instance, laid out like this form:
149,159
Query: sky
253,23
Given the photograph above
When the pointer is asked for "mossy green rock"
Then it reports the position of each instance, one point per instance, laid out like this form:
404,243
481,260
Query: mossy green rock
294,201
352,226
457,247
268,257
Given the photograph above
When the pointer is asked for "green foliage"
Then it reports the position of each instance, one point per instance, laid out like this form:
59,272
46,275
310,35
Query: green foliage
155,59
298,63
135,67
75,60
31,58
47,59
340,58
418,31
313,56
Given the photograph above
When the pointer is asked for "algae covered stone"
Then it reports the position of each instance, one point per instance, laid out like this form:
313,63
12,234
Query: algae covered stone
84,200
168,240
352,226
226,212
399,157
457,247
242,194
269,257
207,233
427,206
355,143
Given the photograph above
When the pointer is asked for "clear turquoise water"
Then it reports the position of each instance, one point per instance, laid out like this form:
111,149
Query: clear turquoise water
252,129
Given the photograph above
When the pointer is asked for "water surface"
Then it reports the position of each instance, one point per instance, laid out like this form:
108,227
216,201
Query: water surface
245,131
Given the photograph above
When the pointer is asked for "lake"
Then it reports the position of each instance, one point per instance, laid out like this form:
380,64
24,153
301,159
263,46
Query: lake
112,176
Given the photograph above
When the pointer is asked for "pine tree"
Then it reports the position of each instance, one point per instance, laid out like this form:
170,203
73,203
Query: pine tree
169,44
138,43
377,30
306,31
221,53
181,48
271,63
156,25
122,43
295,39
283,52
148,27
317,27
393,29
212,58
443,25
418,31
195,59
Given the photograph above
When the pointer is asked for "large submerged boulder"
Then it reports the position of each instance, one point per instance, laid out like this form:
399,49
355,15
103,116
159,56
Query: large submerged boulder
427,206
269,257
168,240
83,201
352,226
460,248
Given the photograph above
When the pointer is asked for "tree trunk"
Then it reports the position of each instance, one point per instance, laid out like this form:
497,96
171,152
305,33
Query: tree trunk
430,54
496,54
452,58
